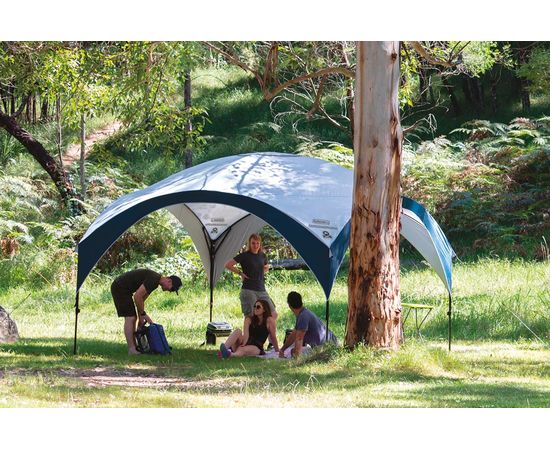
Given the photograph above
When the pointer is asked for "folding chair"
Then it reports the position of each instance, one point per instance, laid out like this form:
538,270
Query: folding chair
416,307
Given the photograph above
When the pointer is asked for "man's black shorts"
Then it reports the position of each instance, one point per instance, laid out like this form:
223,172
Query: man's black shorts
124,302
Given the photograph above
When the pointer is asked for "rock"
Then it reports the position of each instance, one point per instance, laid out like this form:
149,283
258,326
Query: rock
8,328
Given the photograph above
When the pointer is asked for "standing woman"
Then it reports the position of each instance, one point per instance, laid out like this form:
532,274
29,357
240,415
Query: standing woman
256,329
254,265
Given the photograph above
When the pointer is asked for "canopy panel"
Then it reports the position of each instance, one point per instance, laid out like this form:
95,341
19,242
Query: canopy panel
218,232
305,199
221,202
424,233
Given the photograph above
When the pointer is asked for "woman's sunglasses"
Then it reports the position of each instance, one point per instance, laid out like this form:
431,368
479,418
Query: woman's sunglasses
257,306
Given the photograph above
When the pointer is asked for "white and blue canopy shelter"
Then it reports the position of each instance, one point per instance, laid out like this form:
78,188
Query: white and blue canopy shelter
221,202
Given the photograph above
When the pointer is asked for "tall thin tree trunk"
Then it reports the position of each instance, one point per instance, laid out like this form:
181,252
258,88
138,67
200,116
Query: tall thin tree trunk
82,155
522,53
4,97
452,97
479,94
28,109
44,110
466,90
431,87
374,309
189,124
11,89
423,84
494,84
351,110
525,98
58,136
33,108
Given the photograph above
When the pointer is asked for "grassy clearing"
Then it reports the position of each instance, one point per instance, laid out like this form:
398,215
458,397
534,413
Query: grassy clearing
496,361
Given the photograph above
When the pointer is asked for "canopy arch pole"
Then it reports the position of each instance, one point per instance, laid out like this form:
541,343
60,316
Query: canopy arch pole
212,258
299,236
76,311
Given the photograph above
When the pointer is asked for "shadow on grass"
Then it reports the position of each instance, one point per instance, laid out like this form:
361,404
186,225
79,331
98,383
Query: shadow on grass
468,395
197,369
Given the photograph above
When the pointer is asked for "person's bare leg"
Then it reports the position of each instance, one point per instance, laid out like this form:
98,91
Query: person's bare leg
246,350
234,340
129,330
274,315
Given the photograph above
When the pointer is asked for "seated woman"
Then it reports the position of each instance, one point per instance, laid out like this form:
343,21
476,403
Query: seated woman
256,330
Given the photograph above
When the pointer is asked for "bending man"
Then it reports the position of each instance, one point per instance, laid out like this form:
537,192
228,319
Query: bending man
138,283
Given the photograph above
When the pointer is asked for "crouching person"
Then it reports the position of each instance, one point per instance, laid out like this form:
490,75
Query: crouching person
256,329
309,329
130,290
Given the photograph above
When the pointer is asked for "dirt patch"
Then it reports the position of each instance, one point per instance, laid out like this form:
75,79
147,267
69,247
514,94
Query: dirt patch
73,152
103,377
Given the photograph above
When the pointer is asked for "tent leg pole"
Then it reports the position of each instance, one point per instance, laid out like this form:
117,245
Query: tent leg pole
326,317
76,311
211,280
449,314
211,300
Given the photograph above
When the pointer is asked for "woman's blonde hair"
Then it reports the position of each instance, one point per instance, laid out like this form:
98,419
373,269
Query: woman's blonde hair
255,237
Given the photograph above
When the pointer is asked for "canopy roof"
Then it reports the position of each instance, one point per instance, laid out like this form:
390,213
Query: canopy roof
221,202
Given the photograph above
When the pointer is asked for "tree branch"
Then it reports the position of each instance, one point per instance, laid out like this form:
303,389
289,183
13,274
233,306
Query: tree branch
317,101
17,113
417,46
270,94
235,61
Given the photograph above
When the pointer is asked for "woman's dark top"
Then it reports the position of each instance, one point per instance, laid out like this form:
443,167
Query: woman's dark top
257,335
253,267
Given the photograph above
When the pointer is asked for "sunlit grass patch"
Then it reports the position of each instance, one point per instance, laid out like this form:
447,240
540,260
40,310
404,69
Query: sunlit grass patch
495,361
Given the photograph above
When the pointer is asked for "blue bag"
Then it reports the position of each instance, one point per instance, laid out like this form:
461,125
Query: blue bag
151,339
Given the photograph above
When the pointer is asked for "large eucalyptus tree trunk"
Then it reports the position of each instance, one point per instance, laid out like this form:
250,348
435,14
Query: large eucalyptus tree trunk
374,310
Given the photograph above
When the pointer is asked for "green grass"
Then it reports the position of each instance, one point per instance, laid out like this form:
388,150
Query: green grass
495,361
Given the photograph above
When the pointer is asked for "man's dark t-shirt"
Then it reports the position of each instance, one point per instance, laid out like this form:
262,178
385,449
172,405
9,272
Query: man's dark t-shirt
316,332
131,281
253,267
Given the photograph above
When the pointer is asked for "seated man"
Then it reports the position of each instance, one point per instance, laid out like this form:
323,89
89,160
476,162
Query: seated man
309,330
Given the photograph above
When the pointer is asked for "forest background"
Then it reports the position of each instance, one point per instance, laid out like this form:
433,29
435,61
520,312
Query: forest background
475,150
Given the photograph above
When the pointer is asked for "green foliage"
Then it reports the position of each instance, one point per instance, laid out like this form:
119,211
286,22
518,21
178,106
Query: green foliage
537,70
139,82
334,153
480,56
491,192
240,121
8,148
186,263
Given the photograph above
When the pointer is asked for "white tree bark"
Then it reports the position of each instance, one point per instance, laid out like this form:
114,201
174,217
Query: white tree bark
374,310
